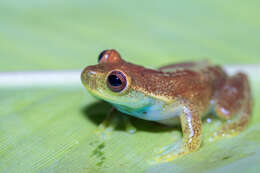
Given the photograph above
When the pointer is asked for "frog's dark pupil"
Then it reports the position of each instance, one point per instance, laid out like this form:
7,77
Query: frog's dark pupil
114,80
101,55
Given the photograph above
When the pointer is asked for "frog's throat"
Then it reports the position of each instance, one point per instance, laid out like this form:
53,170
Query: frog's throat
132,111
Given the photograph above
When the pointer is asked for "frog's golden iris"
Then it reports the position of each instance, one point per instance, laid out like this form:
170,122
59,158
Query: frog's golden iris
116,81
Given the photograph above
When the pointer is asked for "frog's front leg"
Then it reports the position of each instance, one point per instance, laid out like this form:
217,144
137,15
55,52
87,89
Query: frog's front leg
191,128
111,122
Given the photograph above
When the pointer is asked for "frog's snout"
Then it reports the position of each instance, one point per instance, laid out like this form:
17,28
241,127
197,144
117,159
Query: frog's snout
87,74
91,74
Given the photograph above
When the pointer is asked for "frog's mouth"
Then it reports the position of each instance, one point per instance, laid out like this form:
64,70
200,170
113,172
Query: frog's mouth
127,102
120,101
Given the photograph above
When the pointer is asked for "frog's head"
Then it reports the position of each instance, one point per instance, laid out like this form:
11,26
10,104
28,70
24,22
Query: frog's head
114,80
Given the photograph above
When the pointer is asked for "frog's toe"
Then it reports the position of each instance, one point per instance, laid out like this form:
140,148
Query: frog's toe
223,132
170,148
166,158
130,128
169,153
104,133
104,130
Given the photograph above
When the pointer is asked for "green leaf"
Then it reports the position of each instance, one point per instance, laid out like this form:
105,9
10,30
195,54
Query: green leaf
51,127
53,130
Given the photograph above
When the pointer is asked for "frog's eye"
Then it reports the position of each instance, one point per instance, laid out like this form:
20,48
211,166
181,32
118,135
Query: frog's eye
116,81
109,56
101,55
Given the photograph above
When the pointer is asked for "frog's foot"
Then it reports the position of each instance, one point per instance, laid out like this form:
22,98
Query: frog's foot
166,158
229,129
105,129
169,153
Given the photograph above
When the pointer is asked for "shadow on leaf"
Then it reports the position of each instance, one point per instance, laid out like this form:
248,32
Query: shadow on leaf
96,113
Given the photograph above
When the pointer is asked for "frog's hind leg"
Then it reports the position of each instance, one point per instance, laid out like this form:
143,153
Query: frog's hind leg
233,103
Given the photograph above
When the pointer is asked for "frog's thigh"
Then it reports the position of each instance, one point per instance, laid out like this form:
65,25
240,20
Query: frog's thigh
233,102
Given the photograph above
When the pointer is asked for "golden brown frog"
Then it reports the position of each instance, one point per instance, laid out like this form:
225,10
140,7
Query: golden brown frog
182,93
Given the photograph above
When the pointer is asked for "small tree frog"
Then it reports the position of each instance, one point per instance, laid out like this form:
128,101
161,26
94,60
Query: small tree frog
183,92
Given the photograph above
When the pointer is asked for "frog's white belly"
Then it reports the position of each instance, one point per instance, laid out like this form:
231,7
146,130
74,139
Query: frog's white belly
165,114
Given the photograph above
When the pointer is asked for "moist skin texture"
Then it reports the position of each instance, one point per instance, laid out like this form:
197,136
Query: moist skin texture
180,93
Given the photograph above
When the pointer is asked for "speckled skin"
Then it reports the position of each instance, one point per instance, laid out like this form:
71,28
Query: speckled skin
182,92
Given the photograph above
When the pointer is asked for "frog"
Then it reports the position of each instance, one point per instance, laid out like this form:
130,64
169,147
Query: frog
182,93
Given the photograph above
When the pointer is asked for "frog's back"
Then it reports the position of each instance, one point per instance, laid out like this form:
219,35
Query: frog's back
215,75
185,65
195,81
